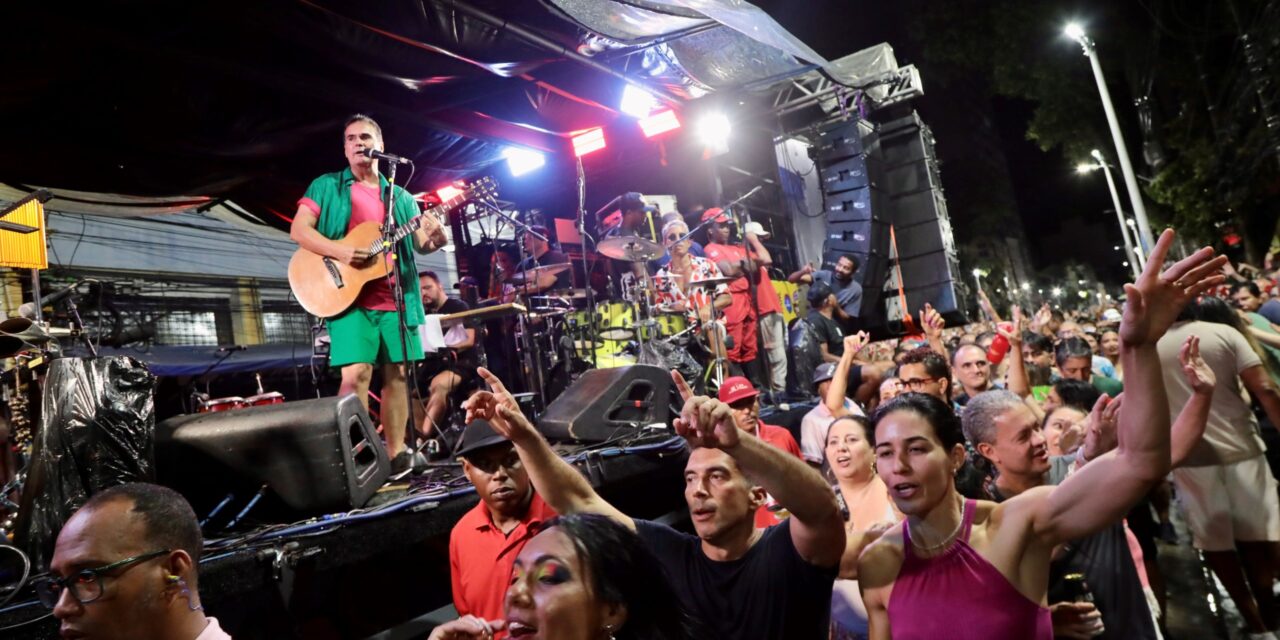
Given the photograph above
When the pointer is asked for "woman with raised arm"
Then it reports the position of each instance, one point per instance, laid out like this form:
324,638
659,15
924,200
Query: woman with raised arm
961,569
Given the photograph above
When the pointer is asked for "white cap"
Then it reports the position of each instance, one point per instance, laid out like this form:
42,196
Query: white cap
756,228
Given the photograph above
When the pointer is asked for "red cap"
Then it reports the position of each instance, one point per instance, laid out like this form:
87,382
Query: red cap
736,388
715,212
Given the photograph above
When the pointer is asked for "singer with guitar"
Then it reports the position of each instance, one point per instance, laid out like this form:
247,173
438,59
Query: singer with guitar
367,334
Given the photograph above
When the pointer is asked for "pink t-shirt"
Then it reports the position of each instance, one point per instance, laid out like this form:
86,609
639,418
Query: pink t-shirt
366,206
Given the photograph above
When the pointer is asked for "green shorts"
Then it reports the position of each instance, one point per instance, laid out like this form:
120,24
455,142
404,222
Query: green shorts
365,335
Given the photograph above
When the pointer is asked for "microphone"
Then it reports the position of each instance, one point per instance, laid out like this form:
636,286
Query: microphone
28,309
232,347
380,155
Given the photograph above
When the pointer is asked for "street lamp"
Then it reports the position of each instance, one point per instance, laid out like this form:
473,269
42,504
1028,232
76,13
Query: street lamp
1076,32
1141,256
1086,168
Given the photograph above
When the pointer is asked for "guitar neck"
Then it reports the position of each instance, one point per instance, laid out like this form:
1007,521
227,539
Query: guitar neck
414,224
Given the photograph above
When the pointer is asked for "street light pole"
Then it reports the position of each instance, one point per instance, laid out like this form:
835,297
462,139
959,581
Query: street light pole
1115,199
1076,32
1142,256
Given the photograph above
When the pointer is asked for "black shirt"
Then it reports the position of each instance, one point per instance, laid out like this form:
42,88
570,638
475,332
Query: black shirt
828,332
465,357
550,257
769,593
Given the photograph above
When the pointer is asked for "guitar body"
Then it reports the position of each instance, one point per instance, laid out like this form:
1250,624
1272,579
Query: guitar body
326,287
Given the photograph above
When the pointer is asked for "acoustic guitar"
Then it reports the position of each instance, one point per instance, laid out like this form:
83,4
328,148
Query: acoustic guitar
326,287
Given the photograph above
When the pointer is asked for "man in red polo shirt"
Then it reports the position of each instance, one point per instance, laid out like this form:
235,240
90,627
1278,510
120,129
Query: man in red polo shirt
741,320
742,398
485,542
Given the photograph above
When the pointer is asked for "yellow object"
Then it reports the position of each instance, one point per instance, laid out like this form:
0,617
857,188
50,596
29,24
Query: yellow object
25,250
789,297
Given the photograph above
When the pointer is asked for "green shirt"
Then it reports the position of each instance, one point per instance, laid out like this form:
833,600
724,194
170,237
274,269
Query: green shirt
1109,386
1261,323
332,191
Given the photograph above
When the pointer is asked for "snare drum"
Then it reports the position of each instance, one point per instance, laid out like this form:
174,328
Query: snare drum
221,404
262,399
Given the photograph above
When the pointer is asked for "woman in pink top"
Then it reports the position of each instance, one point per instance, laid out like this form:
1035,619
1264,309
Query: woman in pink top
961,569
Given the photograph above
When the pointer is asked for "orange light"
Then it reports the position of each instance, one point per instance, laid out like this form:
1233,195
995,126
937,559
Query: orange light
448,192
591,140
660,122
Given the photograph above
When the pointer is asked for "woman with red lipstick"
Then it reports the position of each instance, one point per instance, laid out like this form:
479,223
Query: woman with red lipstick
584,577
962,569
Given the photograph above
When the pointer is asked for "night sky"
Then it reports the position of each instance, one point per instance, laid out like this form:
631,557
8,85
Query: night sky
1063,213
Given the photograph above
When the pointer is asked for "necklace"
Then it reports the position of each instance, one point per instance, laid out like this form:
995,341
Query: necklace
945,541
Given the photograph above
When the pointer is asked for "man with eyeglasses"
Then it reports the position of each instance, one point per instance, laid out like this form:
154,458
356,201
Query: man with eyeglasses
973,372
124,566
486,540
924,370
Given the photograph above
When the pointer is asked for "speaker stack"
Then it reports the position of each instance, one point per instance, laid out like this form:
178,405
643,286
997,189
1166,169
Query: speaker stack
857,208
926,253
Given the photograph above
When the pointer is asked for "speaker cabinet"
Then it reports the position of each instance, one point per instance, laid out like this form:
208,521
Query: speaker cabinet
315,456
607,403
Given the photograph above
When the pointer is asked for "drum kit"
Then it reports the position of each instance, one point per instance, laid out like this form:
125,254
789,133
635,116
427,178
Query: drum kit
564,335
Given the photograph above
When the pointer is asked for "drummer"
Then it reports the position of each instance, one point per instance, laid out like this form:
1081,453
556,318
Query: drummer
540,254
672,289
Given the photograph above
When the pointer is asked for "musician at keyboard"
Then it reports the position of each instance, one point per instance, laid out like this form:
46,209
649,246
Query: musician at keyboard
450,371
367,334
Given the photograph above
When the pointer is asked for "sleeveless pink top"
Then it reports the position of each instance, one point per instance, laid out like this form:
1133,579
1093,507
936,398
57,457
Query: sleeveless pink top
960,596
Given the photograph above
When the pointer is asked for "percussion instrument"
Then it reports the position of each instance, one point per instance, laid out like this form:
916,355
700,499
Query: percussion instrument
630,249
532,275
221,404
263,399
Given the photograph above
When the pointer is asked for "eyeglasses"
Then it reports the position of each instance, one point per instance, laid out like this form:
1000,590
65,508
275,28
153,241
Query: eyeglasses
675,236
917,384
85,584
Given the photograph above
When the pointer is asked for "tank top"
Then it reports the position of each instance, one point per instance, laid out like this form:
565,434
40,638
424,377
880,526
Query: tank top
961,596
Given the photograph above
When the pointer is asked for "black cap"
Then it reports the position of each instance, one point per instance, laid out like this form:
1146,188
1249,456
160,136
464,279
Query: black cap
633,201
478,435
824,372
818,291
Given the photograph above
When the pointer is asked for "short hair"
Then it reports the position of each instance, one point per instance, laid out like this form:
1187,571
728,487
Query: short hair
1073,347
946,426
1038,342
851,258
360,117
962,347
985,335
169,521
980,413
1248,284
1077,393
673,223
427,273
934,363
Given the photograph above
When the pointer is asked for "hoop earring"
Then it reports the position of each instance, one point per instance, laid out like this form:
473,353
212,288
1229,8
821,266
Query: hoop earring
186,593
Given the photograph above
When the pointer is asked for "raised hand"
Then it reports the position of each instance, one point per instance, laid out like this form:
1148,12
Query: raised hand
1014,336
1155,300
1043,315
1195,369
704,421
1100,427
500,409
931,322
854,343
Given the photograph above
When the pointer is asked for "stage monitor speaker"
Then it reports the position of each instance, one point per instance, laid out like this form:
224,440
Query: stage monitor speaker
606,403
844,140
316,456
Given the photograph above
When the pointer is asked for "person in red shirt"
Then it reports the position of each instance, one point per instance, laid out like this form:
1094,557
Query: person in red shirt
484,544
743,399
741,319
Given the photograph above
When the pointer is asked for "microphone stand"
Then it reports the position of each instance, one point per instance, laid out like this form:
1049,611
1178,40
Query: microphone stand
389,228
586,267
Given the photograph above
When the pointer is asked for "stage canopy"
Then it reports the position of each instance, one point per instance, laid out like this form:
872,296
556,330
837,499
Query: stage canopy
236,106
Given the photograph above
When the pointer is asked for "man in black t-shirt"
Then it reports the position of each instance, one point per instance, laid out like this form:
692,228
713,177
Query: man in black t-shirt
448,369
740,582
822,306
540,254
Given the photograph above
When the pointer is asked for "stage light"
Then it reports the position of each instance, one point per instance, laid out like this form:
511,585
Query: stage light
448,192
1057,292
713,130
1074,31
588,141
637,102
660,122
521,161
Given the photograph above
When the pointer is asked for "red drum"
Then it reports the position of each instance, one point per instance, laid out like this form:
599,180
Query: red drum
270,397
221,404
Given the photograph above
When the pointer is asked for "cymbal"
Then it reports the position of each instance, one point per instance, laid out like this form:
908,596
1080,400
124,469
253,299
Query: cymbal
711,282
531,275
630,249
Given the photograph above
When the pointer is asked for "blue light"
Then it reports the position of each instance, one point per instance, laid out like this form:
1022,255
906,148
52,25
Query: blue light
521,161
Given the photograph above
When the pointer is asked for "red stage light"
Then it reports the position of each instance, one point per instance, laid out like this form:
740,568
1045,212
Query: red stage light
660,122
591,140
448,192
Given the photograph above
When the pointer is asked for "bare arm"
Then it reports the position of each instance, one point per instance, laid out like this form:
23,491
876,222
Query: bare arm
803,276
932,323
468,343
303,231
1265,337
817,530
840,380
827,356
1260,387
559,484
763,259
1104,490
1017,380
